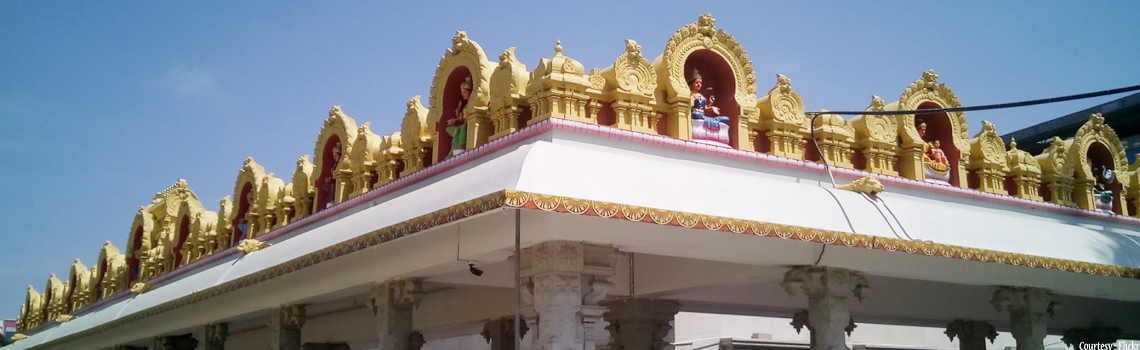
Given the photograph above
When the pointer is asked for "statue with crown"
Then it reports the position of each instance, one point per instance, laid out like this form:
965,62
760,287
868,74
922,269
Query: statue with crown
709,125
457,124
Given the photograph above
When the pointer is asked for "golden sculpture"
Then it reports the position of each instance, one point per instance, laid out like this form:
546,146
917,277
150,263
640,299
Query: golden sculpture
868,185
250,245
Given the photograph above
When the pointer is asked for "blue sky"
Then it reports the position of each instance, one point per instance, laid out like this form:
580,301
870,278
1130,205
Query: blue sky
102,106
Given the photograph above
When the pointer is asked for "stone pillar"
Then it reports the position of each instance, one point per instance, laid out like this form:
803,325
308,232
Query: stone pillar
563,282
285,327
801,320
637,324
214,336
500,333
827,289
1027,308
971,334
180,342
1075,337
392,304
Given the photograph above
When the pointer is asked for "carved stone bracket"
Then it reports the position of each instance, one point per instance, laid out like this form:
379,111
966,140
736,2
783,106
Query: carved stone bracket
971,334
640,323
500,333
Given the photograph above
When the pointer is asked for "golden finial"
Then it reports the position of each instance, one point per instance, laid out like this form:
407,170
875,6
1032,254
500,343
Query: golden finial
1012,143
558,48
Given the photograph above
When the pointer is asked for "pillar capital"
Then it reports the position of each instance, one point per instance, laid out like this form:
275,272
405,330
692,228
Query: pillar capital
1027,308
214,336
500,333
404,293
285,327
971,334
826,281
640,323
392,304
827,289
180,342
563,284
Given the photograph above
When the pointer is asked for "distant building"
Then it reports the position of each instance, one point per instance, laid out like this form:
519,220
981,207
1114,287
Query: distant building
1123,115
9,328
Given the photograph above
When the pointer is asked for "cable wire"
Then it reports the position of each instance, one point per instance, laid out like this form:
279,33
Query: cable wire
987,107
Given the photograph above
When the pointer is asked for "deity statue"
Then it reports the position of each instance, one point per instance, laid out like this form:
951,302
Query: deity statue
1105,177
936,164
703,107
329,185
457,124
243,224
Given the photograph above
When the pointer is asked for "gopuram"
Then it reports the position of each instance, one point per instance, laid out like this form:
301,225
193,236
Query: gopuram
663,183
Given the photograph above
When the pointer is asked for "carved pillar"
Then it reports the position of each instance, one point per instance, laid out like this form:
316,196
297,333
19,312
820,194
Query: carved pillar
500,333
971,334
679,125
181,342
1061,192
910,162
285,327
214,336
880,157
1083,194
479,129
1027,308
563,284
1078,337
827,289
343,185
392,303
640,323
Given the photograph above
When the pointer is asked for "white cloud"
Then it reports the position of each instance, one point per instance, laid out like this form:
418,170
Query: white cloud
192,82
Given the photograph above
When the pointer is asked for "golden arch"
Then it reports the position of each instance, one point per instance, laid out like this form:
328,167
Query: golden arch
466,54
921,94
1093,132
189,241
82,291
670,66
55,298
111,271
246,190
337,135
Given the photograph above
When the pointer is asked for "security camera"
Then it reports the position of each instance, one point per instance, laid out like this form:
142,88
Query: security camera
474,270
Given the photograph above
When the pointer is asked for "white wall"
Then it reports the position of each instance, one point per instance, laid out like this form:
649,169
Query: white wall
699,328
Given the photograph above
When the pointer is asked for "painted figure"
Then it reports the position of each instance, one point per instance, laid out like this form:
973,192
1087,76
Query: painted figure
1105,177
703,108
329,185
936,155
242,223
457,124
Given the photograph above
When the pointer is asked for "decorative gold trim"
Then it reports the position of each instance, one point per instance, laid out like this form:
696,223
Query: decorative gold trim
139,288
524,200
250,245
64,318
559,204
19,337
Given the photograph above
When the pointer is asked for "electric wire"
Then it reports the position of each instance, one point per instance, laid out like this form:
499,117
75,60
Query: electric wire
989,106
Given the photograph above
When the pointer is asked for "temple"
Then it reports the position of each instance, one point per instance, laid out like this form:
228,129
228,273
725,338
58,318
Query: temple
638,194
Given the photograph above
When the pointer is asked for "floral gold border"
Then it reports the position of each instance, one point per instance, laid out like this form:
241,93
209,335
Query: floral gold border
559,204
